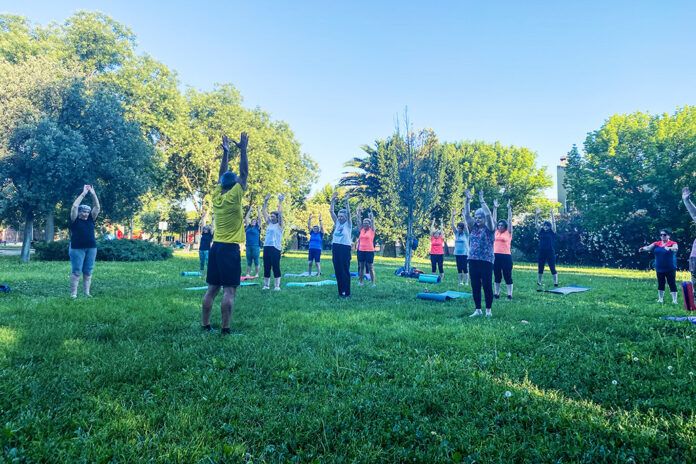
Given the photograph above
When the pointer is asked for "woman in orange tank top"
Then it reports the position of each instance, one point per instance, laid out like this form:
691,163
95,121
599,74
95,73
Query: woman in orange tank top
502,249
366,248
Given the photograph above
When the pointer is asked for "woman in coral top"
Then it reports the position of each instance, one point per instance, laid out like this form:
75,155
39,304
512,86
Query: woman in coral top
437,250
502,250
366,248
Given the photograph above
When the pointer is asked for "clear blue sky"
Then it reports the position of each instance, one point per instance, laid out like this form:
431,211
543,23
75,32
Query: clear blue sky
535,74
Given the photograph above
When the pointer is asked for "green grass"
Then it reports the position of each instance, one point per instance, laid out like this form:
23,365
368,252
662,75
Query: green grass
128,376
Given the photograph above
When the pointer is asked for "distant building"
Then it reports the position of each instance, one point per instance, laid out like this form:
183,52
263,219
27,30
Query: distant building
560,180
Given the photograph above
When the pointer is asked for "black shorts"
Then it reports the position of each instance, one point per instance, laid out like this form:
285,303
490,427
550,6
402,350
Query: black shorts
366,257
224,265
314,255
461,263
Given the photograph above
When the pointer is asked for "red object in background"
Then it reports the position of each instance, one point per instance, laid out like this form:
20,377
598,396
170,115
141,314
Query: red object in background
119,234
189,239
688,291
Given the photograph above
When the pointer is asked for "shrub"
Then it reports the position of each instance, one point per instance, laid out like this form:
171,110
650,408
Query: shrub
107,250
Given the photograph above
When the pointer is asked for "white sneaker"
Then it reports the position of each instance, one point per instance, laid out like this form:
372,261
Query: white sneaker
489,313
266,288
276,289
660,300
476,313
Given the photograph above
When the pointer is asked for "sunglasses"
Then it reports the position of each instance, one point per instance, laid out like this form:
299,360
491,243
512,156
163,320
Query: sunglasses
663,235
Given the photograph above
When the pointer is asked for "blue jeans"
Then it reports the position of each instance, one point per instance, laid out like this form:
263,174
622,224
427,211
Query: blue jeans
82,260
203,256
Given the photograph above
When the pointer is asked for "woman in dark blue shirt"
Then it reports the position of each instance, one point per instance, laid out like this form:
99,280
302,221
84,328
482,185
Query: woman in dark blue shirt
665,264
547,248
204,247
83,244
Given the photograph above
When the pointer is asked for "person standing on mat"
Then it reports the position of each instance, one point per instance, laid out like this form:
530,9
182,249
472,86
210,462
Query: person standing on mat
461,248
272,243
224,259
665,264
547,249
481,237
437,250
316,243
341,245
686,197
502,248
366,248
204,246
252,232
83,244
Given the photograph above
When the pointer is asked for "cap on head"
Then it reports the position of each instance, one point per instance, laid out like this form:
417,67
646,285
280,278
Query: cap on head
228,179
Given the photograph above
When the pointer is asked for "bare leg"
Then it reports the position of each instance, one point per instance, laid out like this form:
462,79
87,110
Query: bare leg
318,268
509,290
497,288
555,279
277,283
309,268
208,299
361,272
540,278
87,283
256,269
227,305
266,283
74,281
372,274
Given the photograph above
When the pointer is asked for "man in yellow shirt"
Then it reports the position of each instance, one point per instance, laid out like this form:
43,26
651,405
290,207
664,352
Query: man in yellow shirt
224,261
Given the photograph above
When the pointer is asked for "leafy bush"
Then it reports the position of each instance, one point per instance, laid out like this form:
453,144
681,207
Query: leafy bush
107,250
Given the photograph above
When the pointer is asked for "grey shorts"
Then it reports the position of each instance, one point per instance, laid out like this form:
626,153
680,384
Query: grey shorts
82,260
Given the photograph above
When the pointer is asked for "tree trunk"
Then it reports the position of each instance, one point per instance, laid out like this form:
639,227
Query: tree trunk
50,231
28,236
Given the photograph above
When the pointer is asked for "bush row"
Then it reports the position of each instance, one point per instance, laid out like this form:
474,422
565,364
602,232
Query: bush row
107,250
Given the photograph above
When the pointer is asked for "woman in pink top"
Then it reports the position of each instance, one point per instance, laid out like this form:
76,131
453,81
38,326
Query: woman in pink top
502,266
686,196
437,250
366,248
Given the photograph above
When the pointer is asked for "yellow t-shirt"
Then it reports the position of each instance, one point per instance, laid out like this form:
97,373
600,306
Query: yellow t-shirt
227,210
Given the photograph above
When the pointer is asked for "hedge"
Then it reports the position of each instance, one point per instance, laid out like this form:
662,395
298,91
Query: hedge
107,250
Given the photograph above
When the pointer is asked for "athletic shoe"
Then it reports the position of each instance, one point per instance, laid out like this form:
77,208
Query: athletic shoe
276,289
497,297
266,288
509,297
489,313
660,301
476,313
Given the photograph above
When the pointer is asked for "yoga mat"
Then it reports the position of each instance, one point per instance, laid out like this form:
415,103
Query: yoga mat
429,278
321,283
243,278
191,274
688,291
567,290
243,284
354,274
444,296
691,319
304,274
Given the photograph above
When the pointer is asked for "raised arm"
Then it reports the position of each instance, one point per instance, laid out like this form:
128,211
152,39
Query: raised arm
264,209
358,215
309,223
536,219
77,202
281,197
489,218
372,220
690,207
332,208
553,221
243,160
225,155
321,224
467,208
247,217
452,223
96,207
509,205
349,220
432,227
495,211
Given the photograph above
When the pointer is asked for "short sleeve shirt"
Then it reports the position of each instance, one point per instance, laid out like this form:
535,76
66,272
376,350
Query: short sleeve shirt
227,209
481,243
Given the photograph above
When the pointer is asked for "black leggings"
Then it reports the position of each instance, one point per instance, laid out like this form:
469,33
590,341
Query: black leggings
502,267
271,259
547,256
461,263
670,277
341,255
480,273
437,261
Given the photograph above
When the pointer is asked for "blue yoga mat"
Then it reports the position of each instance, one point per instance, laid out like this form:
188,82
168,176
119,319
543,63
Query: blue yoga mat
567,290
320,283
242,284
444,296
429,278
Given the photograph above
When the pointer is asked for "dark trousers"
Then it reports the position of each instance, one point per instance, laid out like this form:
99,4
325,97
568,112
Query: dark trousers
340,255
547,256
502,268
437,262
481,275
271,260
461,263
670,277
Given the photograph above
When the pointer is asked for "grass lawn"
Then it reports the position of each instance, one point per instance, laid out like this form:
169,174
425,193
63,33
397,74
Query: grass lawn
128,376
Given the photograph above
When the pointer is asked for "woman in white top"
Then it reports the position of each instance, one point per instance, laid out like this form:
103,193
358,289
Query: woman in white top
341,249
272,243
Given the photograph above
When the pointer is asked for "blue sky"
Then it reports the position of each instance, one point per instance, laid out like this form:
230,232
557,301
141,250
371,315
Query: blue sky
535,74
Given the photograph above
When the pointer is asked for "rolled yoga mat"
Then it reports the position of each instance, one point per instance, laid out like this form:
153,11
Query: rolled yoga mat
191,274
429,278
444,296
321,283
